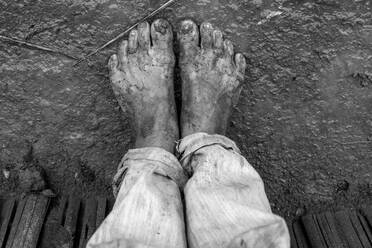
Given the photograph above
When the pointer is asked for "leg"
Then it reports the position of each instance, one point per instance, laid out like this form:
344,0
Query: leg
226,205
148,209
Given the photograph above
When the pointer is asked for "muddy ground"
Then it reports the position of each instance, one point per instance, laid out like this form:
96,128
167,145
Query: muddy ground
304,119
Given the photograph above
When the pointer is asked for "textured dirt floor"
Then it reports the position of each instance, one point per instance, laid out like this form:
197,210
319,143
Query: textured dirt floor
304,119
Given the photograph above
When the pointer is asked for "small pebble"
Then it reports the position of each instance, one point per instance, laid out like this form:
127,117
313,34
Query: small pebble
6,173
300,212
48,193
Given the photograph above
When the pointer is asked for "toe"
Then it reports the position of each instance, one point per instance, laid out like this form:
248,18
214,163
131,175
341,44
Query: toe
206,33
133,41
188,34
228,48
113,63
113,66
217,39
144,35
123,53
188,38
240,66
161,34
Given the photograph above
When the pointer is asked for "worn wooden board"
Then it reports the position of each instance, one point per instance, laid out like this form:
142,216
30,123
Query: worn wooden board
313,231
347,229
367,227
7,212
300,235
293,237
331,235
28,222
72,221
71,217
89,222
358,227
343,229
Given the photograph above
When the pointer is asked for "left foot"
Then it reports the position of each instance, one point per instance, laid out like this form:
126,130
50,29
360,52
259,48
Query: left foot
141,76
211,76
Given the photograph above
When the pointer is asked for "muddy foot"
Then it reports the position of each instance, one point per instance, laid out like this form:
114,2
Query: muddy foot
211,77
141,76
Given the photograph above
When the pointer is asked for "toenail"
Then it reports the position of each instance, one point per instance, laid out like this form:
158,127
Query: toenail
186,28
112,61
161,27
207,25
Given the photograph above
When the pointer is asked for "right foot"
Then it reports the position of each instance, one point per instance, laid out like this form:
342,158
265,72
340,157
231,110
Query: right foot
211,77
141,76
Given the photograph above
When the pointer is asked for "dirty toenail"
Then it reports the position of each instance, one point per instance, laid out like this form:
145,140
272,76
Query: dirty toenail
113,61
161,27
207,25
187,27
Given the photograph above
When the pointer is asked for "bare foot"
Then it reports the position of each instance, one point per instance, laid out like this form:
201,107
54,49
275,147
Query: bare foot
211,77
141,76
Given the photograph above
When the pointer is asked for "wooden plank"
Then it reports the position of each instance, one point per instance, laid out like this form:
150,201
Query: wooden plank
359,229
54,233
367,228
7,212
347,229
16,220
31,222
61,211
367,213
71,218
293,237
299,233
54,236
24,223
92,217
89,222
328,228
37,221
313,231
101,210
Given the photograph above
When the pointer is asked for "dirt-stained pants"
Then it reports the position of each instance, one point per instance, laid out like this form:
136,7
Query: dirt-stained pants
225,201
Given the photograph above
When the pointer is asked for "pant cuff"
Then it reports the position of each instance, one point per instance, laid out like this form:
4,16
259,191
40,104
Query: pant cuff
164,163
187,146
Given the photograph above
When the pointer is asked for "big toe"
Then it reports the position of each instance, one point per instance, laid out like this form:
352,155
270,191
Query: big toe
161,34
188,38
189,33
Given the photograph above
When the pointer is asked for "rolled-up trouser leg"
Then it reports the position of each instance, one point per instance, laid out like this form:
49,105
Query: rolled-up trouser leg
226,204
148,210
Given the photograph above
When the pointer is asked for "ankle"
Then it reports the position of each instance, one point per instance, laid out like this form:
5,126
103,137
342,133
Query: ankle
165,139
213,124
161,142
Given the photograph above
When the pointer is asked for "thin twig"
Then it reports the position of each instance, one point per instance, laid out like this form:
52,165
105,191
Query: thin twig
35,46
165,5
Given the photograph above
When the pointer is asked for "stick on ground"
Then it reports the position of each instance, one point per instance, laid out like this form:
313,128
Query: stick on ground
35,46
165,5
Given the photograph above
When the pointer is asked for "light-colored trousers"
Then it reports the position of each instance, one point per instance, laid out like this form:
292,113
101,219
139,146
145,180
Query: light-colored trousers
225,202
